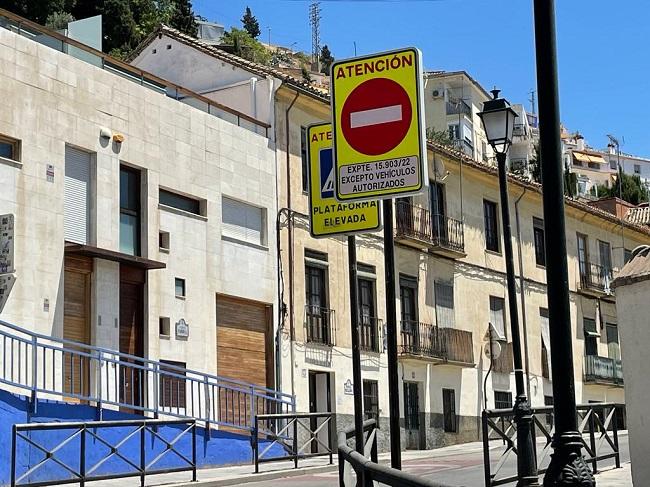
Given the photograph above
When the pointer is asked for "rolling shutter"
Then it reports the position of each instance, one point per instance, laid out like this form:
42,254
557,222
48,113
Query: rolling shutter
242,221
76,213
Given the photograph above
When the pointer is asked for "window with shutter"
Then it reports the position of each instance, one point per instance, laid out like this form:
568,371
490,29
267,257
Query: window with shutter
243,222
76,201
444,294
497,315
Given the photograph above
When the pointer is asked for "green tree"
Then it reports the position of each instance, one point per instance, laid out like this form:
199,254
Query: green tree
440,137
58,20
125,23
627,187
250,23
306,75
326,59
243,45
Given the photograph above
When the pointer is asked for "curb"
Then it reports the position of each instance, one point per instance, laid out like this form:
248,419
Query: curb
257,477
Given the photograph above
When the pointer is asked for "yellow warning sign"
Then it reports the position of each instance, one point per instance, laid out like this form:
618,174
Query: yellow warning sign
378,125
327,215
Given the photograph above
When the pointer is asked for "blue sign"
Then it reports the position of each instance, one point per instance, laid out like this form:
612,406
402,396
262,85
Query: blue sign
326,173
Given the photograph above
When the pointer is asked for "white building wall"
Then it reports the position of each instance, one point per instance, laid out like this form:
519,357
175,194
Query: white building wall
50,100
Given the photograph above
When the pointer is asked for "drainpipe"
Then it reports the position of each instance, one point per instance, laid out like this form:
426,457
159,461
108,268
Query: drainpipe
292,330
523,295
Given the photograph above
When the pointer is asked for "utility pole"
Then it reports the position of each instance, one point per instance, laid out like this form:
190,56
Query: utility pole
567,467
314,21
356,357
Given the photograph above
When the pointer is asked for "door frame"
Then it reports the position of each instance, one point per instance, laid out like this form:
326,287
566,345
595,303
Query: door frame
313,403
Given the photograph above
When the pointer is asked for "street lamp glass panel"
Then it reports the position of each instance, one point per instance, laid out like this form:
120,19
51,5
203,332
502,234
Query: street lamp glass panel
499,125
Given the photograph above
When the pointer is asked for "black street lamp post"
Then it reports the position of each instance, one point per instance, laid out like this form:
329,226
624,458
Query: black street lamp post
498,120
567,467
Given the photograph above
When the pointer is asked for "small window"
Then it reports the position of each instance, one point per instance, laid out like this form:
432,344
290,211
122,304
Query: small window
497,315
637,169
180,202
179,287
243,222
502,400
371,400
538,235
449,410
612,164
163,240
9,148
303,158
491,225
163,327
172,384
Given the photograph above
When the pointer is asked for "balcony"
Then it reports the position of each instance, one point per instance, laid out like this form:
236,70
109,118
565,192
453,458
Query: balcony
446,345
320,325
603,370
519,130
417,227
370,334
595,279
504,364
458,107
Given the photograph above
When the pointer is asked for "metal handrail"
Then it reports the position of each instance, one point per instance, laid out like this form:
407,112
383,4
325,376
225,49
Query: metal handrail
138,74
285,430
366,467
68,369
81,469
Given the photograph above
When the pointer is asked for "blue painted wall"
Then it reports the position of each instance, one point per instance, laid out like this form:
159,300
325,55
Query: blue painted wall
216,449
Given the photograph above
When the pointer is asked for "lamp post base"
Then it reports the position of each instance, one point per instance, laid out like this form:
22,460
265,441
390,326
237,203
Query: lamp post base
526,462
568,467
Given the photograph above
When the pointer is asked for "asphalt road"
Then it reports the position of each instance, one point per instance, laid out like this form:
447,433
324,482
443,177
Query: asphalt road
458,469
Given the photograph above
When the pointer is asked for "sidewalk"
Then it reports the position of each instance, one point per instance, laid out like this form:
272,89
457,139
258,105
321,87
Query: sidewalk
616,477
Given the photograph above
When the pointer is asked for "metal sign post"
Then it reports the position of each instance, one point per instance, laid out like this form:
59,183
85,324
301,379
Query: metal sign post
356,355
380,152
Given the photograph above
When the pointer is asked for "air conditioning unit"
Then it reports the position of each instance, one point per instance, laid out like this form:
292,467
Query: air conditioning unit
437,93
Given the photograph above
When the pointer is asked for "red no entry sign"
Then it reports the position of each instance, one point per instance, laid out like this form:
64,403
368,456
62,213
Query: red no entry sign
376,116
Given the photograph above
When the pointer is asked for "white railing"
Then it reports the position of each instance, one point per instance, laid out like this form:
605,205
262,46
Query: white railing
55,368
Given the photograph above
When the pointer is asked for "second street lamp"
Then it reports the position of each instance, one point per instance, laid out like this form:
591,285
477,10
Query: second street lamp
498,119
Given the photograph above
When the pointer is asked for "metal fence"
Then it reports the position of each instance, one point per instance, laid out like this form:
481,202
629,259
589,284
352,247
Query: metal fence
360,470
295,433
597,423
54,368
57,467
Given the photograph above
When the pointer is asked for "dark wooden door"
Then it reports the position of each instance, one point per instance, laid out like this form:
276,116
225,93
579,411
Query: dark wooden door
76,325
132,377
412,415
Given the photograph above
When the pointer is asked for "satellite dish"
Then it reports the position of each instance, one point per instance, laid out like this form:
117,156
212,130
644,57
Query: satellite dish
492,352
439,167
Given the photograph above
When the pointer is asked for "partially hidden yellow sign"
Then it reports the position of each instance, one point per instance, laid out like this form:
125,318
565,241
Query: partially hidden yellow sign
379,140
327,215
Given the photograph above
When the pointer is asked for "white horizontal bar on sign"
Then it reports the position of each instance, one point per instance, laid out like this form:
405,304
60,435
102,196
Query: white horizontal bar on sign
376,116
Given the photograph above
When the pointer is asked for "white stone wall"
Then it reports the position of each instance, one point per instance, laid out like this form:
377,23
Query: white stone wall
50,100
632,302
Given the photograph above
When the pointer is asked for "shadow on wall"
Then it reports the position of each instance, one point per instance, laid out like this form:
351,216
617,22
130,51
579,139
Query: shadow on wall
217,448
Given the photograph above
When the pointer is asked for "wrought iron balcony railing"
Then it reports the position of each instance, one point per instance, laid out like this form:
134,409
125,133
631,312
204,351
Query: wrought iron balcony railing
320,324
370,331
448,344
594,277
519,130
416,222
455,107
603,369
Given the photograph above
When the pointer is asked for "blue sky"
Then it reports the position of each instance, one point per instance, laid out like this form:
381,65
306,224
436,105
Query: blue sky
603,46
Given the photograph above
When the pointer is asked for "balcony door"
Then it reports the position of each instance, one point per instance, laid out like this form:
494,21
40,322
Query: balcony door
613,347
367,315
316,301
438,213
583,256
408,292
